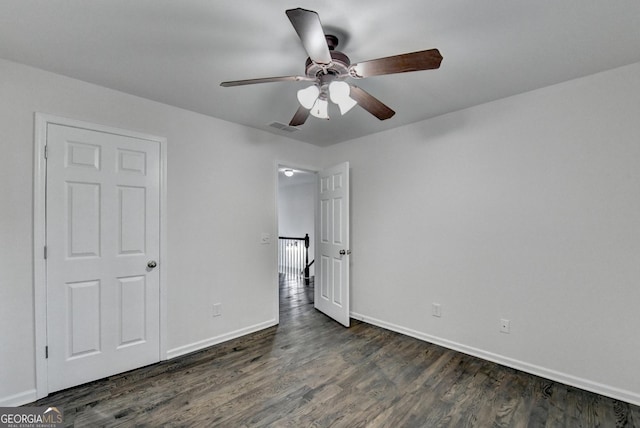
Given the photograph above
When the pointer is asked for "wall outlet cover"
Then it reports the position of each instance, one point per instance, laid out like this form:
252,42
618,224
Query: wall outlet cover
505,326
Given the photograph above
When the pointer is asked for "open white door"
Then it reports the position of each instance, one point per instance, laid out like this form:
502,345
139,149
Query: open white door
103,254
332,289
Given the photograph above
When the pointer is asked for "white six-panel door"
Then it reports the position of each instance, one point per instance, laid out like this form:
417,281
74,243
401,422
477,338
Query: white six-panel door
332,288
102,230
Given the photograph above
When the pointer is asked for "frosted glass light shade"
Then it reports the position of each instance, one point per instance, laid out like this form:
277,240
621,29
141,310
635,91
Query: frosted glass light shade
339,93
320,109
308,96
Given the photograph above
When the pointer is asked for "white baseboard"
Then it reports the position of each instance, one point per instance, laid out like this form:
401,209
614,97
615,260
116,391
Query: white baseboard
598,388
567,379
19,399
202,344
31,395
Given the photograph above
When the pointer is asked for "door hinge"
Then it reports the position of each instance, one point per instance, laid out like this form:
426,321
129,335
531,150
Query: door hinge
45,252
46,151
46,352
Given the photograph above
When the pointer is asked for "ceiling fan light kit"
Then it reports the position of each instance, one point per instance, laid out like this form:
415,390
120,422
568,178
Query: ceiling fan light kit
339,94
320,109
329,68
308,96
315,99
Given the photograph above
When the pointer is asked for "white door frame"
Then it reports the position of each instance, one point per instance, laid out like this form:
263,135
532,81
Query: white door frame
39,235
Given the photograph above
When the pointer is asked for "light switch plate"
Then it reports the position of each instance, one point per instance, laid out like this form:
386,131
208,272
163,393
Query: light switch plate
436,310
217,309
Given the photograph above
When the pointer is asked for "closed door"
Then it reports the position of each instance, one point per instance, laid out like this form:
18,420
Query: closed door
332,294
102,237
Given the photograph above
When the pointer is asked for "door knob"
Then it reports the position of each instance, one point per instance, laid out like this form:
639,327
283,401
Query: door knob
151,264
343,252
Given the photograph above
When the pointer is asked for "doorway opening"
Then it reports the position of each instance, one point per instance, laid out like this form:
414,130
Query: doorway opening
296,205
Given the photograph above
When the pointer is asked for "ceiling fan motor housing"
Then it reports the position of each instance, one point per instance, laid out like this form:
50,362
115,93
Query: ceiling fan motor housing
338,67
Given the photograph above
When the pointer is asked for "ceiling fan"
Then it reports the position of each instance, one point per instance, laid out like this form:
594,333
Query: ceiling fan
328,68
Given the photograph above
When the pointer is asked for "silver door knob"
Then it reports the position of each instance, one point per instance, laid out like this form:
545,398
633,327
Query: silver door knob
343,252
151,264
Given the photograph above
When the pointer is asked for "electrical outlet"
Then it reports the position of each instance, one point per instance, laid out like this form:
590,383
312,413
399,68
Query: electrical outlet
217,309
505,326
436,310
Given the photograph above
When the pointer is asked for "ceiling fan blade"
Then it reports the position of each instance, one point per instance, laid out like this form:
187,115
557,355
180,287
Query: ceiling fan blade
267,80
307,25
300,117
414,61
371,103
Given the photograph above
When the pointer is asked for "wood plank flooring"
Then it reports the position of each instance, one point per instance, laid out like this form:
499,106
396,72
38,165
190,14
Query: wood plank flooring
311,372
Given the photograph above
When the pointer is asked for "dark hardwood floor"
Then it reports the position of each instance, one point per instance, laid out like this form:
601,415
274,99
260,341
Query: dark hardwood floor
311,372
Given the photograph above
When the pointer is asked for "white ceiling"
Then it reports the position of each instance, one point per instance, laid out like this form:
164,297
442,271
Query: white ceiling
177,52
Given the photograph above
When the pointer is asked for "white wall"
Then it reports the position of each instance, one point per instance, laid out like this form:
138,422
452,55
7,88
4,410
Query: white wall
527,209
215,214
296,210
